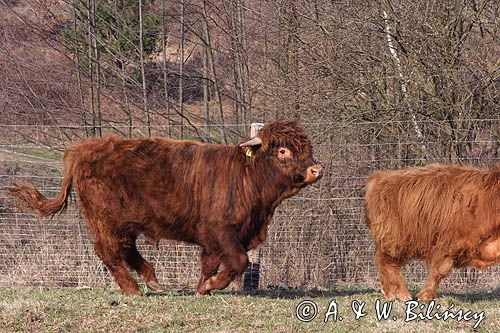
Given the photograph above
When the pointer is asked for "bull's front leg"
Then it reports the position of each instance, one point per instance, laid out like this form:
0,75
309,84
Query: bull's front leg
234,262
260,237
222,279
439,268
391,279
255,242
210,263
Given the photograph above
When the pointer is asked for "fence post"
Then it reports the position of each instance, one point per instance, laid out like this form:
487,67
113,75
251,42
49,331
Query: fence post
251,275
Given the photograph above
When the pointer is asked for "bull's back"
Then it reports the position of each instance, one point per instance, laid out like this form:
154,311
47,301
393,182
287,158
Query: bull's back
159,186
135,181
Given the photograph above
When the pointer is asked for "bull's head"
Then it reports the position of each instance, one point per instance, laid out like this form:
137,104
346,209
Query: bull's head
285,144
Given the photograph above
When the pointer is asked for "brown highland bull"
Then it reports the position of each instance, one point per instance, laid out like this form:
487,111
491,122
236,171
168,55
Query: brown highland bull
447,215
220,197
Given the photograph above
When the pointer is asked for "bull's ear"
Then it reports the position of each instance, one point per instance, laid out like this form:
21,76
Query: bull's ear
248,151
256,141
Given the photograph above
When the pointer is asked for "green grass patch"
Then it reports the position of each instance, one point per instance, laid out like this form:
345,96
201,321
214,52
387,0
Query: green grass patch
101,310
36,152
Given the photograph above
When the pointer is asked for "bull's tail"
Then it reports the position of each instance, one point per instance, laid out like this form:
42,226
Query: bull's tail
32,200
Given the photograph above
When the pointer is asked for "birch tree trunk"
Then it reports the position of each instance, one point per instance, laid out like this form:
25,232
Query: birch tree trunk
404,88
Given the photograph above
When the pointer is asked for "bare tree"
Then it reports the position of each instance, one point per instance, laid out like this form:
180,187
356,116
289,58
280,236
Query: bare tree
164,43
206,92
78,70
206,33
94,105
404,88
141,53
181,69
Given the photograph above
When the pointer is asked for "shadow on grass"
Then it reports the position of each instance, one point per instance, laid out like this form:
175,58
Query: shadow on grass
292,294
474,297
339,291
273,293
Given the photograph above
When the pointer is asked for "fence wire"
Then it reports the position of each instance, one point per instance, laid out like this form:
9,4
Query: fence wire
316,240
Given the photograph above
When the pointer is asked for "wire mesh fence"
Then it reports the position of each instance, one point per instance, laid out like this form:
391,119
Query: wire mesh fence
317,239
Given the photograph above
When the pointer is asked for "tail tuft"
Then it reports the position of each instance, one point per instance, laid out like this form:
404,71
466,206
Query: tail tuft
32,200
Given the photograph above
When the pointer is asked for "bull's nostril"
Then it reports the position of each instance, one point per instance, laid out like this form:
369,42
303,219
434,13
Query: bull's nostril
315,172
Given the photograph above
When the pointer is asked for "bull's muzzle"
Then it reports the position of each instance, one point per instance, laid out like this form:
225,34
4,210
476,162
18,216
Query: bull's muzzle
314,173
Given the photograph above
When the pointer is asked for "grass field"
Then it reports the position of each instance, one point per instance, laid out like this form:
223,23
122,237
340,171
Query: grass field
99,310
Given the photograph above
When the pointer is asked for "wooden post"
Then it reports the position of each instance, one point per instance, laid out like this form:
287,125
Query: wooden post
251,276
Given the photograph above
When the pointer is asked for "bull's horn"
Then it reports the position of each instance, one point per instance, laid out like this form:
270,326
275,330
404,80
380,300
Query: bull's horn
253,142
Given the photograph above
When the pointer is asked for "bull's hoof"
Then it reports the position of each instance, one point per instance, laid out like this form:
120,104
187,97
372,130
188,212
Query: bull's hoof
154,286
132,292
204,293
201,291
425,295
404,296
388,295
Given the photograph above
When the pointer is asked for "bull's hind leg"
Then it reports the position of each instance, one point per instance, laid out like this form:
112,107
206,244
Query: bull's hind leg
112,255
391,279
489,254
234,260
209,266
142,267
439,268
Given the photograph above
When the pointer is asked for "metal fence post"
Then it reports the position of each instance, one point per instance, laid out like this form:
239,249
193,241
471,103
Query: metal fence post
251,275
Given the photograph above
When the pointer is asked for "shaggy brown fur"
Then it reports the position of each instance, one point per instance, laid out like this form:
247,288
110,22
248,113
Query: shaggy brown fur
447,215
216,196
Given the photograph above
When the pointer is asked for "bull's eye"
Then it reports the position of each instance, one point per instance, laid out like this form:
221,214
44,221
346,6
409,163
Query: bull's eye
284,153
